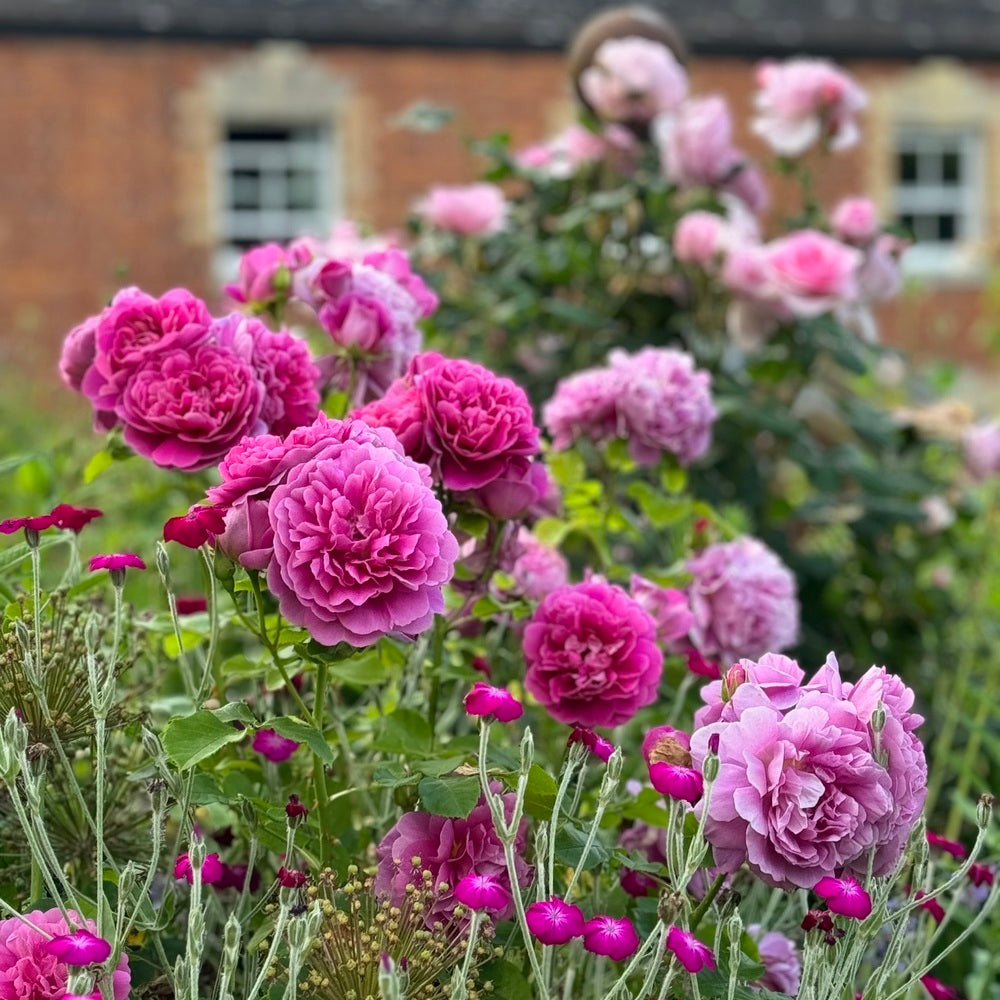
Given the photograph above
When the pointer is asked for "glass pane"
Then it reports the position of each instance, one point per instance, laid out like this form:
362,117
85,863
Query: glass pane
302,190
907,167
951,167
925,228
906,221
947,226
245,191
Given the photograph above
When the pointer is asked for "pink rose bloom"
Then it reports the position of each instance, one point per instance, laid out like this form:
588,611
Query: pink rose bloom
696,145
701,238
469,209
357,321
748,185
799,795
812,272
263,276
666,606
477,425
29,971
879,277
564,154
538,569
450,848
362,548
289,377
401,411
803,101
633,79
78,353
855,220
780,958
591,655
981,450
743,599
584,405
134,327
666,405
393,262
185,407
776,680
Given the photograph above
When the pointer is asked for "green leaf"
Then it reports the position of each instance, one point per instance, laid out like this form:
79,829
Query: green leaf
449,796
191,739
189,640
423,116
97,465
507,979
293,728
16,554
235,711
570,841
404,731
540,793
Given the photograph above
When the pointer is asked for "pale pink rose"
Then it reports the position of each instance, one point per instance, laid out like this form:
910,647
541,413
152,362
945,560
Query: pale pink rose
855,220
812,272
633,79
879,277
696,143
667,607
747,183
469,210
981,450
803,101
701,238
563,154
538,569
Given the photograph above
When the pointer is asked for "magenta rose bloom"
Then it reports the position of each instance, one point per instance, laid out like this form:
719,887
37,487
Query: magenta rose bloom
450,848
584,405
591,654
477,425
264,276
29,970
402,412
668,608
362,548
743,599
799,795
132,328
185,407
78,353
286,370
538,569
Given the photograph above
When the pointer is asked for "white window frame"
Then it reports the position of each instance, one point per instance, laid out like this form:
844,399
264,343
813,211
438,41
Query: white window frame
965,200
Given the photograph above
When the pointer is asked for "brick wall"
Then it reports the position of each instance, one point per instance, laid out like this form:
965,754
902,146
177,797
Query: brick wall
94,184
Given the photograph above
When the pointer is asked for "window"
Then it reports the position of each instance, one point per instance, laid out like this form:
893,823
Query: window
276,184
938,195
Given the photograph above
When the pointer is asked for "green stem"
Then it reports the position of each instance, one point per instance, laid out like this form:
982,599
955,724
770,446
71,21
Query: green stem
713,891
319,771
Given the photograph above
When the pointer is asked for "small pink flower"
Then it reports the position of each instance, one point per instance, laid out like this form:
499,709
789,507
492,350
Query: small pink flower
614,937
198,526
980,875
952,847
211,869
116,561
554,921
938,990
264,276
75,519
294,809
482,892
38,523
932,906
690,952
683,783
667,607
855,220
270,744
845,896
701,238
469,209
812,272
597,745
291,878
80,948
484,699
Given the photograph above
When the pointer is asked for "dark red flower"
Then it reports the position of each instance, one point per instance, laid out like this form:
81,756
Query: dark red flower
295,809
291,878
191,605
37,523
198,526
65,515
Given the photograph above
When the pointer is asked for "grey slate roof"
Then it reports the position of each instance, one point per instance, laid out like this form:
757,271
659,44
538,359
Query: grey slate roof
842,28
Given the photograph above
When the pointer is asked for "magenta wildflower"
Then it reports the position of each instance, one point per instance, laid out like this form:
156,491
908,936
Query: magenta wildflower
932,906
615,937
275,747
482,892
677,782
690,952
198,526
79,948
597,745
952,847
65,515
291,878
845,896
191,604
702,666
636,883
980,875
116,561
486,700
938,990
38,523
211,869
554,921
295,809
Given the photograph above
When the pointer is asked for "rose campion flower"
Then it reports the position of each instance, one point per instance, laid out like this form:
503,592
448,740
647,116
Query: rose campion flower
743,600
939,990
591,655
469,209
690,952
538,569
211,869
80,948
486,700
28,967
272,745
813,273
696,144
614,937
449,848
844,896
554,921
855,220
264,276
803,101
361,545
780,958
482,892
633,79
